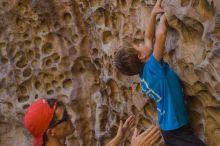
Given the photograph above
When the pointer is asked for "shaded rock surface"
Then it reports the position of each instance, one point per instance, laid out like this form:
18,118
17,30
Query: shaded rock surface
65,49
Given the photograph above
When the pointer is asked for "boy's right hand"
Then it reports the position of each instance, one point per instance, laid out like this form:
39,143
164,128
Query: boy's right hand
157,8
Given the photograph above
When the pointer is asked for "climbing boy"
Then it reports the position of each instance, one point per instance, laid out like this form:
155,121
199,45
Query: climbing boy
159,81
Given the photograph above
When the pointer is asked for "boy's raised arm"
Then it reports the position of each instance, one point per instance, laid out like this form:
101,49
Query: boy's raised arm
160,39
150,29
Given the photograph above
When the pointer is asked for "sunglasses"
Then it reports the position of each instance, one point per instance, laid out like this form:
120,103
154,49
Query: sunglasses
65,118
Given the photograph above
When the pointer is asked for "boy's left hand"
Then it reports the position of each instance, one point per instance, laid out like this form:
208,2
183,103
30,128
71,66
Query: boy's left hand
157,8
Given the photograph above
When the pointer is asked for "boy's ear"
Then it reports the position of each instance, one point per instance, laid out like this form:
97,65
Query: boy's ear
141,57
50,132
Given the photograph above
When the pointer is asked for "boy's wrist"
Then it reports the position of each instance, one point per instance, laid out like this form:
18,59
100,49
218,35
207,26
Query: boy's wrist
153,13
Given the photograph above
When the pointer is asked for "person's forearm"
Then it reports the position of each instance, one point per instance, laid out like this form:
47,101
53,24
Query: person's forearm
160,40
150,28
114,142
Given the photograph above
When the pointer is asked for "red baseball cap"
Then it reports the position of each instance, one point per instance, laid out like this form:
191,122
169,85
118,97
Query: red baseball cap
37,119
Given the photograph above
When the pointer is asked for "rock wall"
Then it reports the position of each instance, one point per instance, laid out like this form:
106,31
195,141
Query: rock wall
65,49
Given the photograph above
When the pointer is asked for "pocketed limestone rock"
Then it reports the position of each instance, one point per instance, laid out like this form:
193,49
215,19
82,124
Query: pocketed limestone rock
65,49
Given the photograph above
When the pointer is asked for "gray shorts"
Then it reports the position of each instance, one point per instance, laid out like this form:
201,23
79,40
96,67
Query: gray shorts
182,136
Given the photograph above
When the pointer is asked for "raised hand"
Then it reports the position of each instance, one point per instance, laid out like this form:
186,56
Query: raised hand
147,138
157,8
124,130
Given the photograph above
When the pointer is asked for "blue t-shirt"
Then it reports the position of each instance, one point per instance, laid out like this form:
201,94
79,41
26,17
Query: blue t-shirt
160,82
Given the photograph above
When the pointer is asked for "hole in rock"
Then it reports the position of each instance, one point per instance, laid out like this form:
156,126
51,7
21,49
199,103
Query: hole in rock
25,106
67,83
47,48
27,72
107,37
50,92
67,17
23,98
37,85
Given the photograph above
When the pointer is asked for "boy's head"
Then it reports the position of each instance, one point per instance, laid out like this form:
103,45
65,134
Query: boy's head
130,60
47,119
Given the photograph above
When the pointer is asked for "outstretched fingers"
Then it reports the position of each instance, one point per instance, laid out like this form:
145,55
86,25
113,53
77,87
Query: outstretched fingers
130,122
127,121
154,138
147,131
151,132
152,135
